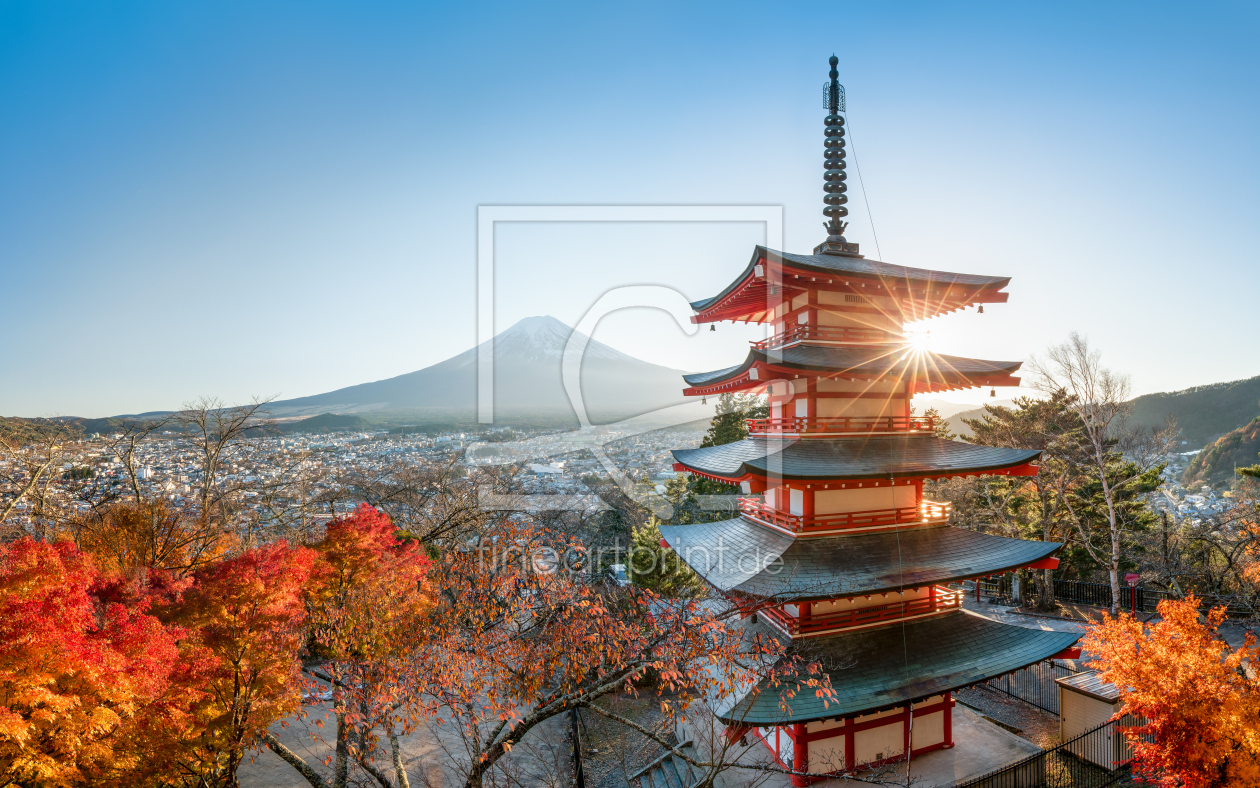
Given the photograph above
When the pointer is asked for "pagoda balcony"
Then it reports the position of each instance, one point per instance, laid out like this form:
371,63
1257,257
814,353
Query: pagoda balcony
938,601
929,512
827,335
844,425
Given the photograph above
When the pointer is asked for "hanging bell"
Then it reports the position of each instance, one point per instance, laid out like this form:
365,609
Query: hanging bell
980,311
704,400
992,392
713,327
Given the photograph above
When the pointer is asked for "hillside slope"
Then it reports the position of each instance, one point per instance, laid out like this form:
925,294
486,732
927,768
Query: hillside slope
1216,463
1203,413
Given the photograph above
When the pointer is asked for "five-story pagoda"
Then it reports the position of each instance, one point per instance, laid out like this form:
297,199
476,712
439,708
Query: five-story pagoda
841,555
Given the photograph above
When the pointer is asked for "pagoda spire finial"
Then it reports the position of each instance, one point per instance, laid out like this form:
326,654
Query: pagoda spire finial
834,175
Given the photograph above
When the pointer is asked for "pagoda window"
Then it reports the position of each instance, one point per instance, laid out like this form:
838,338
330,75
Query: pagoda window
796,502
866,499
859,407
801,408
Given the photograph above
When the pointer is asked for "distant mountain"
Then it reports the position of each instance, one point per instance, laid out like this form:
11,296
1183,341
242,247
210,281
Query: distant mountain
326,422
527,383
1216,463
955,416
1204,413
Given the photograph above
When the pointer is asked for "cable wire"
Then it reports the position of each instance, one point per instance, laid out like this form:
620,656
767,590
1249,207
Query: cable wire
862,183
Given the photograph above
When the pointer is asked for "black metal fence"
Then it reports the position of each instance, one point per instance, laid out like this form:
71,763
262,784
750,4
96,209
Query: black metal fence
1099,595
1034,684
1144,600
1095,759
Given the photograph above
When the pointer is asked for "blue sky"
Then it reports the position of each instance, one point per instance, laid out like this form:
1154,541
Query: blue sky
240,199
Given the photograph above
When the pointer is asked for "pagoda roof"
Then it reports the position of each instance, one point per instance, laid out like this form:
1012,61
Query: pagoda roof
942,291
743,557
932,371
867,457
900,662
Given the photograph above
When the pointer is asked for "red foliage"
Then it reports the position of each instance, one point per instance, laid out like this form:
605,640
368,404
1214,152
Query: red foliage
245,617
75,670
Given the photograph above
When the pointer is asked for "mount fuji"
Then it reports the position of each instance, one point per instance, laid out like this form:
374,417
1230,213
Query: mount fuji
527,382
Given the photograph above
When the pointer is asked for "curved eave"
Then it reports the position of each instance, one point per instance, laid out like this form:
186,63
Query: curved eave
741,558
942,654
930,373
903,457
922,293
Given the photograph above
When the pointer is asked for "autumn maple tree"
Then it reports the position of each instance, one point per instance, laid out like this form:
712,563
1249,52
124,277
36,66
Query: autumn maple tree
78,672
1201,703
367,602
245,617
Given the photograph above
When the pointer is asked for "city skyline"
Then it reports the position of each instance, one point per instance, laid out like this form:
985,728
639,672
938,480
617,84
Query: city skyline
236,201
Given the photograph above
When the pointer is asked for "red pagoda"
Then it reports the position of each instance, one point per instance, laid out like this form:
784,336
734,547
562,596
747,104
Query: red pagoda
840,555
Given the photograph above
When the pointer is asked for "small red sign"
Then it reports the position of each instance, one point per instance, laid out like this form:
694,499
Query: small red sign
1132,579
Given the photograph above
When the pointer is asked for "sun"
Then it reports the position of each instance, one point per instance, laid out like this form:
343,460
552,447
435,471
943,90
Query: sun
919,339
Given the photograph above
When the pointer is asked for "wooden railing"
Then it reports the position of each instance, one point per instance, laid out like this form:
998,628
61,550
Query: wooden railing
926,512
809,333
939,599
843,424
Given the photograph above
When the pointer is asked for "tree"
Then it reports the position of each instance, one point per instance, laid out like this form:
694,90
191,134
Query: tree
78,672
1250,471
730,422
1030,505
517,640
658,568
31,449
1201,706
368,603
149,534
216,435
1100,397
245,616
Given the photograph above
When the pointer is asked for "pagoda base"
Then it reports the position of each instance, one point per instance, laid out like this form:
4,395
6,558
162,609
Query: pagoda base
980,747
862,742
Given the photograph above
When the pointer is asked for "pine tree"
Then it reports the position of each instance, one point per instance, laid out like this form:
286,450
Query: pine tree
658,568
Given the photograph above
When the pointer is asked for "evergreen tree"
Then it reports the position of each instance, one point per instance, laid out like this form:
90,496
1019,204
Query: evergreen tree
729,424
1031,507
658,568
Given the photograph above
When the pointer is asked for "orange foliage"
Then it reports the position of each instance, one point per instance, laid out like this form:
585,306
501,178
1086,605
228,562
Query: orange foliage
150,535
1203,708
516,640
245,617
78,673
368,603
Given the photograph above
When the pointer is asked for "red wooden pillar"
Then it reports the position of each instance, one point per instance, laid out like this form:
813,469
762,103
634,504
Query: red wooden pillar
850,748
905,730
800,754
805,608
949,720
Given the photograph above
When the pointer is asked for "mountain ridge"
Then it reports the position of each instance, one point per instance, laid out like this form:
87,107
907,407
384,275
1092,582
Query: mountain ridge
527,378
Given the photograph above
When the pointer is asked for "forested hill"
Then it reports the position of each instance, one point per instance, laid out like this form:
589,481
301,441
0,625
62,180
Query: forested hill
1216,463
1203,413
